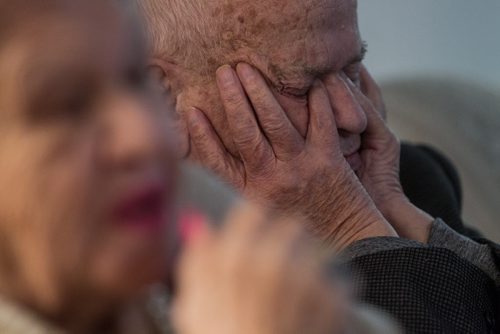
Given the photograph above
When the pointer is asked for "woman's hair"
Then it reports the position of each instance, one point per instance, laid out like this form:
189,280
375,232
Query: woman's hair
16,13
7,9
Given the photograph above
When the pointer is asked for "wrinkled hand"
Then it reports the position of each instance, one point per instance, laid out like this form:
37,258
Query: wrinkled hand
255,276
278,168
381,158
372,91
380,150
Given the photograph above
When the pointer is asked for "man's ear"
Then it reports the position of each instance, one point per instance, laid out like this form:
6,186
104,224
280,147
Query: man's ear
167,80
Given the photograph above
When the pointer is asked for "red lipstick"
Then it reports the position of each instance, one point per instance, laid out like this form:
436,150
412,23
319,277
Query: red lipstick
143,206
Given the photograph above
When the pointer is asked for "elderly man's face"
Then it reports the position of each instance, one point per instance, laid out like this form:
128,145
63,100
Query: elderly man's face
330,45
293,46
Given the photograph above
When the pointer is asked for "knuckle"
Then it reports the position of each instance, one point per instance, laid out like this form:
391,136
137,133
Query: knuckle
252,83
259,99
233,97
275,125
248,138
198,133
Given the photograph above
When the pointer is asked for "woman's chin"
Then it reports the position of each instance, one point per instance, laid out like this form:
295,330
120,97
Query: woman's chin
130,270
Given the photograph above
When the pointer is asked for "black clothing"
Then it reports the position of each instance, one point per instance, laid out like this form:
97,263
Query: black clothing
430,289
432,183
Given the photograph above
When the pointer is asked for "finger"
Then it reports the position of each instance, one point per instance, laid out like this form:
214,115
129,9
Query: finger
371,90
322,130
197,258
284,239
191,224
348,113
243,230
283,136
196,248
207,147
244,224
274,264
247,136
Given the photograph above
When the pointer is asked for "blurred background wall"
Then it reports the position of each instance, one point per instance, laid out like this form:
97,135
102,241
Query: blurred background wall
438,62
440,37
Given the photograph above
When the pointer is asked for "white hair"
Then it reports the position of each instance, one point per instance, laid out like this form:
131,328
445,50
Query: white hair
201,35
181,30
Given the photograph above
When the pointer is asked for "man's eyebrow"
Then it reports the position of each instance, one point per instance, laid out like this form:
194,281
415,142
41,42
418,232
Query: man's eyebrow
317,71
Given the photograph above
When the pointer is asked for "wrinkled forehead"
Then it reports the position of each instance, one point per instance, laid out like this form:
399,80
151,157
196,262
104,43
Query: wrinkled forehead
298,36
328,40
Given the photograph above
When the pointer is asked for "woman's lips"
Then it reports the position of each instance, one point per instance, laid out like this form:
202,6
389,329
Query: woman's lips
143,207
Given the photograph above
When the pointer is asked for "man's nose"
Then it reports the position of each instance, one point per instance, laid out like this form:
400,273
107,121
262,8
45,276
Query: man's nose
349,115
134,133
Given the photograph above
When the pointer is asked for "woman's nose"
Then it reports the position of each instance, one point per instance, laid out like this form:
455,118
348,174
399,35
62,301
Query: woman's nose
349,115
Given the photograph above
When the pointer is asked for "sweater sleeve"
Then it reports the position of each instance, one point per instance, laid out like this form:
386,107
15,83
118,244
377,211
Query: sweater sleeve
477,254
375,245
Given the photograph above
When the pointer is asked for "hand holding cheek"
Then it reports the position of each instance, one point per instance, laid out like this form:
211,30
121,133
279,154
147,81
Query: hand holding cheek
380,173
380,153
280,169
372,91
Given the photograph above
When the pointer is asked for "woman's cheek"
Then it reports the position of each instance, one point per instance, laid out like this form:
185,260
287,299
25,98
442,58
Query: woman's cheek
71,175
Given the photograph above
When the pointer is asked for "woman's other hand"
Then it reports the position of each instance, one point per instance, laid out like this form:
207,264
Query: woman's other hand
255,276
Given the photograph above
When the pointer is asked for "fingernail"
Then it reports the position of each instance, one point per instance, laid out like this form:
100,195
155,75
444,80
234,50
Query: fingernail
193,111
191,225
192,115
245,71
225,75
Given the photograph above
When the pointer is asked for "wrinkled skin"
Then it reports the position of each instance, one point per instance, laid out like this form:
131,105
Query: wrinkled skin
317,40
380,172
274,166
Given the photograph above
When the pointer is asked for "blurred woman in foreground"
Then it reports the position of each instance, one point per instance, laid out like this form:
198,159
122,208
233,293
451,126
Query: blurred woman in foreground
88,181
88,199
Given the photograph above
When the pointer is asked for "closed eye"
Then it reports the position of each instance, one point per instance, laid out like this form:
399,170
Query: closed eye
297,93
353,72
